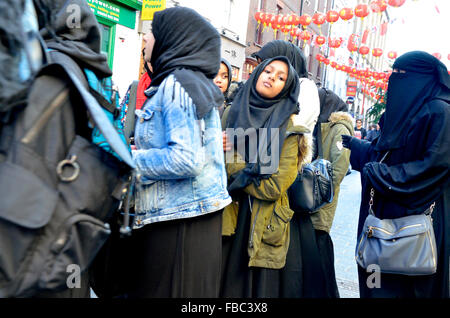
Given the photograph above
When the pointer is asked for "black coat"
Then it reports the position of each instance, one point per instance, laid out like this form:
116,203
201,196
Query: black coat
407,182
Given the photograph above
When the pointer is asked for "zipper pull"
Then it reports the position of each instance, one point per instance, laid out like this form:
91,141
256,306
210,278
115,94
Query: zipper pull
370,232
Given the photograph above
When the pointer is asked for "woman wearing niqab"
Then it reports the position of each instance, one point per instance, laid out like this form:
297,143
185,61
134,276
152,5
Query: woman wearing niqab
415,134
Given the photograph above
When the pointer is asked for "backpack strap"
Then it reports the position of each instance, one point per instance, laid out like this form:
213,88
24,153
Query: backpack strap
128,127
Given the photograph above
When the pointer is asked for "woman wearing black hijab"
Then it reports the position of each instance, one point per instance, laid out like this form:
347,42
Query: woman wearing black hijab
415,134
181,187
223,81
256,229
308,97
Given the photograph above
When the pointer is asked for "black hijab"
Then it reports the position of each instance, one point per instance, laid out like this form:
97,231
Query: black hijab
284,48
80,43
251,110
187,46
426,78
230,73
329,103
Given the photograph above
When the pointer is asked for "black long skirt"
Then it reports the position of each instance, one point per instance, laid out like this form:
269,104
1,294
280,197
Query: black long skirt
176,259
300,277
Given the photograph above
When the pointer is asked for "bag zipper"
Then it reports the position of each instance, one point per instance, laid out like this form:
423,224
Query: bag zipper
371,228
44,118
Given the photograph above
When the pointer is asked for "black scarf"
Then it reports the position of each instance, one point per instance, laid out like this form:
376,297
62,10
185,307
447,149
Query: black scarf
329,103
426,78
80,43
251,110
187,46
284,48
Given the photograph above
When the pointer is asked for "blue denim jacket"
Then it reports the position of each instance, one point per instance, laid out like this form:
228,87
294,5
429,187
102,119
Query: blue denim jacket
179,158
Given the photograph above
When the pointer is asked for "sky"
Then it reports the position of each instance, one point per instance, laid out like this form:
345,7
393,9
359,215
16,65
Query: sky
419,26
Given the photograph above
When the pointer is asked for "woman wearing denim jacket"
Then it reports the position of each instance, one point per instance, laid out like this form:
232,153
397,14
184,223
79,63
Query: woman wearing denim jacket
181,172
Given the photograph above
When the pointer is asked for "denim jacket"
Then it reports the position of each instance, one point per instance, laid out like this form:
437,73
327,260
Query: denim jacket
180,159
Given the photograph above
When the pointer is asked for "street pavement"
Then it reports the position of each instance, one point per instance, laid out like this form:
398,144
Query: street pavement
343,235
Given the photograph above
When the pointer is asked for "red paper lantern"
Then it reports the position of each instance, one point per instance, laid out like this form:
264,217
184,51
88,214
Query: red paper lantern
320,57
305,35
305,20
320,40
293,33
378,6
364,50
267,18
280,21
392,55
334,43
396,3
318,18
346,14
332,16
259,16
437,55
351,46
326,61
377,52
362,10
295,19
333,64
448,57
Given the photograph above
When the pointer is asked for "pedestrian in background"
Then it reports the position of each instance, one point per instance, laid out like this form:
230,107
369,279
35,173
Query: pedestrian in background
176,242
373,132
360,131
415,135
334,121
256,225
223,81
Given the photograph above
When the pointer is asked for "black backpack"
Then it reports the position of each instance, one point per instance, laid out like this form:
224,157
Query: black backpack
58,190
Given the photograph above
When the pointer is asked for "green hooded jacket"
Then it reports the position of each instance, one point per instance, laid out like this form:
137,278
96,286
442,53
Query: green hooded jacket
269,229
339,123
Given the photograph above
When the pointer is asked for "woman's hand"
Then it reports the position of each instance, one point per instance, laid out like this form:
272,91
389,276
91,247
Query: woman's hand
227,146
346,140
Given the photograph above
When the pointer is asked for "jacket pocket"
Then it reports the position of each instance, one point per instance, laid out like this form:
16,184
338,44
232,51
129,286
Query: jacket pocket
275,232
145,124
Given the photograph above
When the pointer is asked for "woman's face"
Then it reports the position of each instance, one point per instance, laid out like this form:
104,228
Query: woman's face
272,80
221,79
149,40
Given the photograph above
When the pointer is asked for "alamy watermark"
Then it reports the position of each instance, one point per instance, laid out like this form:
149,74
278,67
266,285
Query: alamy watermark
374,279
74,278
73,20
261,146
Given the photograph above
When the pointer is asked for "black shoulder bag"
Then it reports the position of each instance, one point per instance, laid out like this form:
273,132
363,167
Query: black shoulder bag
313,187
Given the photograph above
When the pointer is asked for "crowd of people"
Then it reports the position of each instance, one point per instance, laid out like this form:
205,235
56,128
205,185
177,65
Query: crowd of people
228,229
211,210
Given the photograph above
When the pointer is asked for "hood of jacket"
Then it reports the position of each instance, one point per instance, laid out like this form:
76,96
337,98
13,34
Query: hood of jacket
343,118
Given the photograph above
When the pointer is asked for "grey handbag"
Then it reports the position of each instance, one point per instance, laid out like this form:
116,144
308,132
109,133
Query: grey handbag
404,245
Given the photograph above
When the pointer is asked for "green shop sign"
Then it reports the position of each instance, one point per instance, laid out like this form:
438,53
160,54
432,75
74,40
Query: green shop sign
113,12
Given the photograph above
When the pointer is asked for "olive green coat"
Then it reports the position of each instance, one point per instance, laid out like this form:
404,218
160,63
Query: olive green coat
339,123
270,212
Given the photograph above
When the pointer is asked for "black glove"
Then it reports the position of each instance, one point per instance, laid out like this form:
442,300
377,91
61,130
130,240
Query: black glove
346,140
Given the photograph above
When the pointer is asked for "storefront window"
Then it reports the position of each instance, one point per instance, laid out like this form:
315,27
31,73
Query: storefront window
105,34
